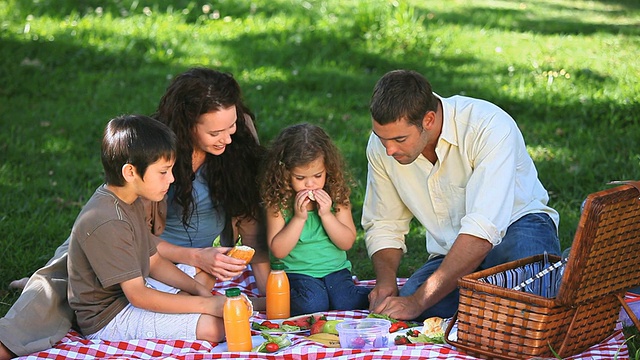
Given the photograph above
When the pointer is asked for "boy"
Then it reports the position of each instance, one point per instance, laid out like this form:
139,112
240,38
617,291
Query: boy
112,252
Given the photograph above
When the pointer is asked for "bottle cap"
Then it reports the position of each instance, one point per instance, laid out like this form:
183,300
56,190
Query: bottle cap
232,292
277,265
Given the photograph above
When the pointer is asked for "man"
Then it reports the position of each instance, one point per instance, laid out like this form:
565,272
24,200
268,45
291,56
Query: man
460,166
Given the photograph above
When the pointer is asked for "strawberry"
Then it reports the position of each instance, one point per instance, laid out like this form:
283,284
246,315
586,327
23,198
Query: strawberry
401,340
317,326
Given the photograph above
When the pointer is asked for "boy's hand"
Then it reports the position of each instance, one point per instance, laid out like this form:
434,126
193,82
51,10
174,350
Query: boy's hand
213,260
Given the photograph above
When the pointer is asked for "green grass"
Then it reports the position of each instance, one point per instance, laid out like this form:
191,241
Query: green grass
567,70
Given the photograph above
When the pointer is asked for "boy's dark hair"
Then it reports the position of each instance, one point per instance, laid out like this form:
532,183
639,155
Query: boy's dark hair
402,94
137,140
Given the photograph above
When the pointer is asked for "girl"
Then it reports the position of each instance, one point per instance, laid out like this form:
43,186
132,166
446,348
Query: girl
309,221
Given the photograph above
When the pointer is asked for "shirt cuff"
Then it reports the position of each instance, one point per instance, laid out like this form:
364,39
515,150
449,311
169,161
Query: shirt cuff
373,246
480,226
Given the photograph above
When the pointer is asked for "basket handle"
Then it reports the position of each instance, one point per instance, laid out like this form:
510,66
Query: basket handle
634,183
630,312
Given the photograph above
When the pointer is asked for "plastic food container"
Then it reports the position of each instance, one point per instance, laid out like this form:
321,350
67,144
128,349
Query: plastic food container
364,333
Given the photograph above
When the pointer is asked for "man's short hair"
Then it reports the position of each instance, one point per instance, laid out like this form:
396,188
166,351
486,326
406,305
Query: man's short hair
402,94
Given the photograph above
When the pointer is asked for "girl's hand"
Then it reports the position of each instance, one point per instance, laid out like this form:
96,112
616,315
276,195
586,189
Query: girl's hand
300,204
213,260
324,202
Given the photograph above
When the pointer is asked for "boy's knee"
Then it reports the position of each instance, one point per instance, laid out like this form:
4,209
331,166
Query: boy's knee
210,328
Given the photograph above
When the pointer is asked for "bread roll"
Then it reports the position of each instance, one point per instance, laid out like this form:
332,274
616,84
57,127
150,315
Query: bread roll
311,196
433,326
242,252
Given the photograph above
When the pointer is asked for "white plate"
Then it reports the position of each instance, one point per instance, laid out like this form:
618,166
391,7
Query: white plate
255,341
392,336
280,321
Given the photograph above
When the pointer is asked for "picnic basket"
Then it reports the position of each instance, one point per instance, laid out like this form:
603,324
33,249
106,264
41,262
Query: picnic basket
499,322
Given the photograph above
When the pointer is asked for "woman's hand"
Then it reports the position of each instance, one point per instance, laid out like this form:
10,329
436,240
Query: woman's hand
213,260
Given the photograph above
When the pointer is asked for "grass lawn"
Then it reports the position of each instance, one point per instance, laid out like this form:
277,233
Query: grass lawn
566,70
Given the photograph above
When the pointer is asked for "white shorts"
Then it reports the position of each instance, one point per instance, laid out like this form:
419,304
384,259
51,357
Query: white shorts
155,284
135,323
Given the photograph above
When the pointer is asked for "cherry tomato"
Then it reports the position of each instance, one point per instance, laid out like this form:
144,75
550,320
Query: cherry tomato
269,324
402,325
271,347
393,328
289,322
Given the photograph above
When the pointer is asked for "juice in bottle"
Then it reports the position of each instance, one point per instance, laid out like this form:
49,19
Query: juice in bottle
278,298
236,314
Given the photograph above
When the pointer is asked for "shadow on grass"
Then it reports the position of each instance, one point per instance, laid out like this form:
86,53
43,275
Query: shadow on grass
322,68
552,20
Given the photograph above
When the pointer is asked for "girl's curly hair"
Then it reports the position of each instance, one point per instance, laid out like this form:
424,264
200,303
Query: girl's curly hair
232,177
298,145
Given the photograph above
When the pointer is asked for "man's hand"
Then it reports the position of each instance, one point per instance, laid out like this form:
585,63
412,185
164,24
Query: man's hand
400,307
379,293
385,264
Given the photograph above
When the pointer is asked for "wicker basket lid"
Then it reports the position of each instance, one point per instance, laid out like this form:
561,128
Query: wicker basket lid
605,254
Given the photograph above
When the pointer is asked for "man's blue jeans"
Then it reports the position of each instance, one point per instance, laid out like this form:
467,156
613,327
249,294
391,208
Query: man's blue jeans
336,291
530,235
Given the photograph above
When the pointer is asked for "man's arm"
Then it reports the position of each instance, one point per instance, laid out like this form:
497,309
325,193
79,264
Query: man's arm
467,253
385,265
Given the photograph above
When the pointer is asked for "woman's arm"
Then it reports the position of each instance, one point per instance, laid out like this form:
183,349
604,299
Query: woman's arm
211,260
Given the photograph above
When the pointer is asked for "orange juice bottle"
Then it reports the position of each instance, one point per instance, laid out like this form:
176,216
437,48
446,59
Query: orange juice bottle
236,314
278,298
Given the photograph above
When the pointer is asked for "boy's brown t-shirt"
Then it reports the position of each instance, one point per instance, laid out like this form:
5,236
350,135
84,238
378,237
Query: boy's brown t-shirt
110,243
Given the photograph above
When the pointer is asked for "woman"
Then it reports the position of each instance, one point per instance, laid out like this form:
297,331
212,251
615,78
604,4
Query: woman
215,192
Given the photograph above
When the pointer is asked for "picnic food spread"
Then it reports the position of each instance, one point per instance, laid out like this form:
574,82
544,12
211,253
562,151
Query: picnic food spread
432,333
296,324
272,343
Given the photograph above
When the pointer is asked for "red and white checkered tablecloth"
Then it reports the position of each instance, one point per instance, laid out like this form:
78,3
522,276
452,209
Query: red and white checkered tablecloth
74,346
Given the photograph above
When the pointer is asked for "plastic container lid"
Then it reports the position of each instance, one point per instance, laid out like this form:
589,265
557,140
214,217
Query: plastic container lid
232,292
277,266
